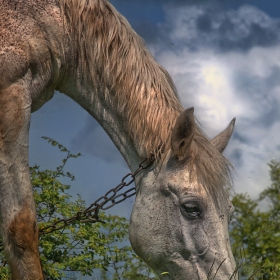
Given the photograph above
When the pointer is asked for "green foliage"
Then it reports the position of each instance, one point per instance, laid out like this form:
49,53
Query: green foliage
80,248
255,233
100,249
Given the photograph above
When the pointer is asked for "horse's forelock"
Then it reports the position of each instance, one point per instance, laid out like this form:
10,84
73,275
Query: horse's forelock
207,165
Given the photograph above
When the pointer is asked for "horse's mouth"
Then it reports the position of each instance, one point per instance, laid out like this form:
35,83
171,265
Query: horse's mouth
196,267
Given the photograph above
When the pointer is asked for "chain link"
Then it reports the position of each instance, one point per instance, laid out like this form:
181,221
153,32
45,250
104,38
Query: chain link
111,198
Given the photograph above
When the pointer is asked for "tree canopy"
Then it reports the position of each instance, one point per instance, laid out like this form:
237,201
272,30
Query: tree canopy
101,250
98,249
255,232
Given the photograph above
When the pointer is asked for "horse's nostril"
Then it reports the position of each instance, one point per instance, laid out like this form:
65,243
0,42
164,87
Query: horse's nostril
185,254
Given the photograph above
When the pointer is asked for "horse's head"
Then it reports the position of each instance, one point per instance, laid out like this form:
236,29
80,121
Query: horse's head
179,224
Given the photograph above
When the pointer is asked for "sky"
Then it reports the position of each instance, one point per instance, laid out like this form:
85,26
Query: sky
224,57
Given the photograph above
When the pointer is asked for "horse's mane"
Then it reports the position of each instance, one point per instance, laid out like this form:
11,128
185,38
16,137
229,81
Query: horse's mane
112,55
115,59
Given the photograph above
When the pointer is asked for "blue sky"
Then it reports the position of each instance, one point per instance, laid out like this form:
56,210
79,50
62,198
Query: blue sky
224,57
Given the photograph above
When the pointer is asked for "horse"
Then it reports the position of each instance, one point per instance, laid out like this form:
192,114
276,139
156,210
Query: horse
88,51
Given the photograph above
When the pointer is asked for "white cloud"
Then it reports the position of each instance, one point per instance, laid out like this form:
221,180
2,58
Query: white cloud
210,25
226,84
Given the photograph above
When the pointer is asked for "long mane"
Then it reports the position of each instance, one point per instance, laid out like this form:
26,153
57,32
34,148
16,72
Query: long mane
112,55
116,60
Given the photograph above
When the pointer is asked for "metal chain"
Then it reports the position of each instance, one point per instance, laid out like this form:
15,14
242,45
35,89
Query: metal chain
111,198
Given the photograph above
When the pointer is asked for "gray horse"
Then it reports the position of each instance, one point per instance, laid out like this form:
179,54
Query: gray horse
87,50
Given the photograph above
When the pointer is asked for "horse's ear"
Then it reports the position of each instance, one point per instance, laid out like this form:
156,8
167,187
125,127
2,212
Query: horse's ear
221,140
183,133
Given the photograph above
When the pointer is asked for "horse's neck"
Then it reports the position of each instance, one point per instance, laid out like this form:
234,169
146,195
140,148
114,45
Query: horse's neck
111,122
118,81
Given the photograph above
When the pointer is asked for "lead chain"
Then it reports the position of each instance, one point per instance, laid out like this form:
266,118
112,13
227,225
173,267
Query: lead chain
113,197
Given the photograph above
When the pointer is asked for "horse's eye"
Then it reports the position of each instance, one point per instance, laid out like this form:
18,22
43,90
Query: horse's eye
191,209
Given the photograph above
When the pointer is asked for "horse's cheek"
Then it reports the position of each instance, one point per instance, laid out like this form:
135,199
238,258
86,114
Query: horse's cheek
153,228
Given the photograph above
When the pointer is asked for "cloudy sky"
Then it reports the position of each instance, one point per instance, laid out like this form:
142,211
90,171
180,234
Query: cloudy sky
224,57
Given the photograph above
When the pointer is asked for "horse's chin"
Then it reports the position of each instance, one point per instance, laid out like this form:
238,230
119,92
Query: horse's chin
194,268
